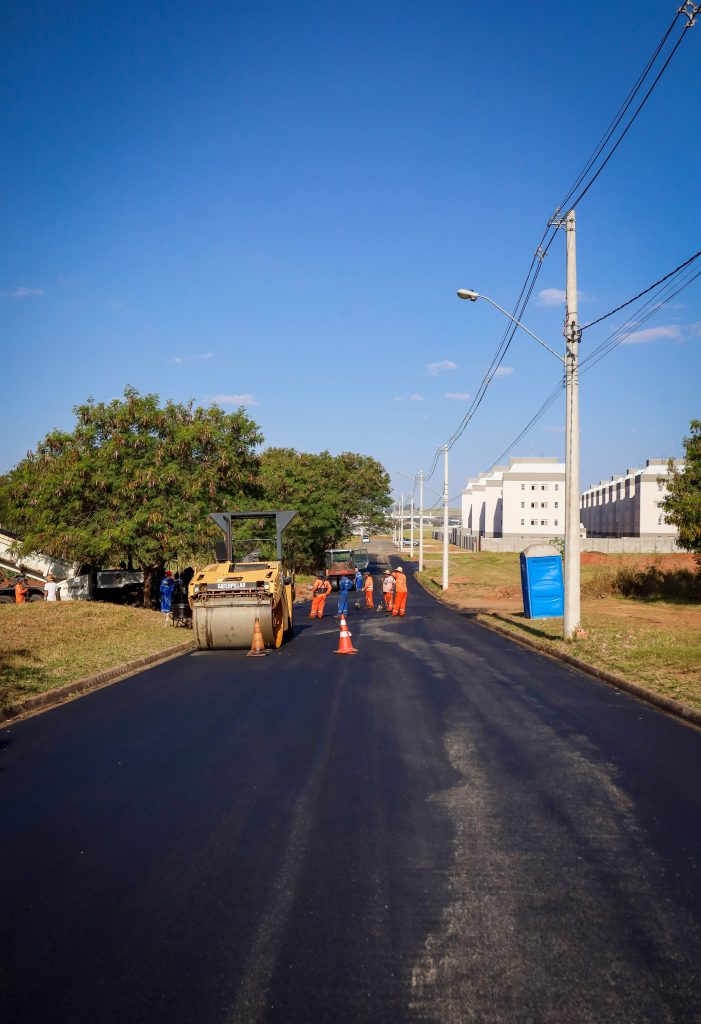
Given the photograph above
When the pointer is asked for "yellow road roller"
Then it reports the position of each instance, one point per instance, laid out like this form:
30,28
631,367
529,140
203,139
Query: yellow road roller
228,596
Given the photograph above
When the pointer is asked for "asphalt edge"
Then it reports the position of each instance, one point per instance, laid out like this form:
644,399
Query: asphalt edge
49,699
668,704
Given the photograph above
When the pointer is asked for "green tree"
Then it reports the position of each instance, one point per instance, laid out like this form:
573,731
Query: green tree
682,506
328,492
134,482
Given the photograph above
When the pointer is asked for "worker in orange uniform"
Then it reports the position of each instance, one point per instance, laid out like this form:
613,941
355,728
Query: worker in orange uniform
388,591
368,588
399,592
320,591
21,590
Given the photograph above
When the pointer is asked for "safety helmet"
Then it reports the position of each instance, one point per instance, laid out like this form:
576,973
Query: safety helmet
399,569
387,572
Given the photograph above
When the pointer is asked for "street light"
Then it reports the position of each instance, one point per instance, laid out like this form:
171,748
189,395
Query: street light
572,333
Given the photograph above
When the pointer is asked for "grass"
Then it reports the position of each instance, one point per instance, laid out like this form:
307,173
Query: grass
637,622
43,646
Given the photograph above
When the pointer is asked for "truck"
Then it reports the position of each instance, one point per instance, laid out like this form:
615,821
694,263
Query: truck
7,592
343,562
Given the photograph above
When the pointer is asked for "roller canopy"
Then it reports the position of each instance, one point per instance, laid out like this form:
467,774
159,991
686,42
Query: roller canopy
282,521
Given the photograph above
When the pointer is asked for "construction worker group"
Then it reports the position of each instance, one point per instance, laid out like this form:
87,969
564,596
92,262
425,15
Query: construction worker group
392,602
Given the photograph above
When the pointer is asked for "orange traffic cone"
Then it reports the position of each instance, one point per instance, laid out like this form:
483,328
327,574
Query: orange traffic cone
345,645
257,643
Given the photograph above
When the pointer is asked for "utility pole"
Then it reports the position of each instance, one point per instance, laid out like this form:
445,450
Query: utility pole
421,520
572,335
445,517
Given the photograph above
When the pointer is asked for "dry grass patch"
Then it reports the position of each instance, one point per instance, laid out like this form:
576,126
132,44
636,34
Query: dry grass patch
43,646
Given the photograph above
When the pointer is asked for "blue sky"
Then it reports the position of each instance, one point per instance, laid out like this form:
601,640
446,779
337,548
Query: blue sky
275,204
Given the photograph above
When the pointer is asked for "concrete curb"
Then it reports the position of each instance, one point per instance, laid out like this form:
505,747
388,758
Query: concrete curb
43,701
669,704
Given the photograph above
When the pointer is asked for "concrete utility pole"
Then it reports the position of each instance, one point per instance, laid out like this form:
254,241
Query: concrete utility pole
444,585
421,520
572,335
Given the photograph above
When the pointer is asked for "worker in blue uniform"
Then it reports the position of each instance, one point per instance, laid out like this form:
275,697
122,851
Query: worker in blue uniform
345,584
358,587
166,589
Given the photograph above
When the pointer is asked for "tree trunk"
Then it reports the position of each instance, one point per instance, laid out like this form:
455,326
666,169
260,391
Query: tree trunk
152,577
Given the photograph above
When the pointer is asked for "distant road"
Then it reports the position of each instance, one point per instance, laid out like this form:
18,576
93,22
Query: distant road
445,827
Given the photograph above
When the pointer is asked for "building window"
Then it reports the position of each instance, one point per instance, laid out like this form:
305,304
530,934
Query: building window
523,504
523,487
543,504
534,522
557,504
544,522
660,520
523,522
533,487
557,487
543,487
556,522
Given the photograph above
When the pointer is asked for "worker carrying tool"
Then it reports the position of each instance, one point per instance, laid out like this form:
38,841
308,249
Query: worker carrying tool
320,591
368,587
166,591
345,584
358,586
388,584
399,604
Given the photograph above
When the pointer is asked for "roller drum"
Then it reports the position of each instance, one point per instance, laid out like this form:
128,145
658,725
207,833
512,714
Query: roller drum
227,624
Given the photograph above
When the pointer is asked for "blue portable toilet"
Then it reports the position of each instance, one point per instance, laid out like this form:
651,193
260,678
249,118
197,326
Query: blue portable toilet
541,582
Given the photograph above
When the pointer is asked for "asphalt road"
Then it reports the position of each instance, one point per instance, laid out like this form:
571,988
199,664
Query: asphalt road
445,827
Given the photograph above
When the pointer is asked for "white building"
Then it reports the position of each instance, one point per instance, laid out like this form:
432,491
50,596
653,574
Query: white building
628,505
524,499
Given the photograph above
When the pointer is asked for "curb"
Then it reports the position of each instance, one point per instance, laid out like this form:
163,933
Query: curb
43,701
668,704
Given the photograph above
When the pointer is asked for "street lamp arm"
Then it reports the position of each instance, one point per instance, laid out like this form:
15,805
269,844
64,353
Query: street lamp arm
464,293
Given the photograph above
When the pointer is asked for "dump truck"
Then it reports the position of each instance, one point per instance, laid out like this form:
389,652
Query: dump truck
343,562
338,562
228,596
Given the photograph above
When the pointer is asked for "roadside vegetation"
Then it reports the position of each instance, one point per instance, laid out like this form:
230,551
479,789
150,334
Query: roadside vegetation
43,645
641,616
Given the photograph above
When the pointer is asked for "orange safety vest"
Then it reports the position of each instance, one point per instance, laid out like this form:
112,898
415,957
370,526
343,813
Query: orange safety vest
400,582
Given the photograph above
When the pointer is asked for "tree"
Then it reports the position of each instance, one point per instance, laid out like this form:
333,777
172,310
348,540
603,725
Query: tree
682,505
328,492
134,482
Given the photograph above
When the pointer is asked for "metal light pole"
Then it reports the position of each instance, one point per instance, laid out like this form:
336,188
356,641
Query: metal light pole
401,522
444,585
572,610
411,528
421,520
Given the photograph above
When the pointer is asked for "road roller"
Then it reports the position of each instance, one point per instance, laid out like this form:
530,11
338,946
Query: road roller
228,596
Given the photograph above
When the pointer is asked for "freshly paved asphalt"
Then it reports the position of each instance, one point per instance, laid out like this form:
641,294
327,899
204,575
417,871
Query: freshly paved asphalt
446,828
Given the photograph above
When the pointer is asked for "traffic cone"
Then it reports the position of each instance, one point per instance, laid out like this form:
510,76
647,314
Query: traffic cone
345,645
257,643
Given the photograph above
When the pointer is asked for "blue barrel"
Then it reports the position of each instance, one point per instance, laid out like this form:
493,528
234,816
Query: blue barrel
541,582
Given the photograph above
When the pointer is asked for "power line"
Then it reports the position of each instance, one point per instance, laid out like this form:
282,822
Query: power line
689,10
640,294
